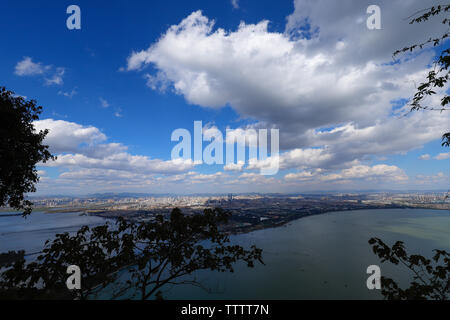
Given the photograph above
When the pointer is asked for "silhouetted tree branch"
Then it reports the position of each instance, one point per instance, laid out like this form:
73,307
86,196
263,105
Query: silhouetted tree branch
21,149
431,277
152,254
438,77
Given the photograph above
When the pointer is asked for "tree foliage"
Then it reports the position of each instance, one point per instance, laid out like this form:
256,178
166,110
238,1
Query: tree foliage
431,277
438,77
170,250
98,251
140,258
21,148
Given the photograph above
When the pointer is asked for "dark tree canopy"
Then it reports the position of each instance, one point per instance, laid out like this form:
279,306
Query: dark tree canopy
439,76
21,149
128,259
431,277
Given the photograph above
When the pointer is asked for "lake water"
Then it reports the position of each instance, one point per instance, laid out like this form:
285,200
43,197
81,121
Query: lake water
324,256
317,257
30,233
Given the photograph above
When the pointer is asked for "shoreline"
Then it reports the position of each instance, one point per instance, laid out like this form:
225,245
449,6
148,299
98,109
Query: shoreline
231,229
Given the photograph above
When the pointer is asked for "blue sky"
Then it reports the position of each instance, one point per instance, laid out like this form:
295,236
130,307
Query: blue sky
93,84
93,56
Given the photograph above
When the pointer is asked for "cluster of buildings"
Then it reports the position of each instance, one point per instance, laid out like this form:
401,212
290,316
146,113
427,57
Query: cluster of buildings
248,211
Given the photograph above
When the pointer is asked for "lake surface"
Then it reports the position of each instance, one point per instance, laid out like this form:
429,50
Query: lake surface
30,233
324,256
317,257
